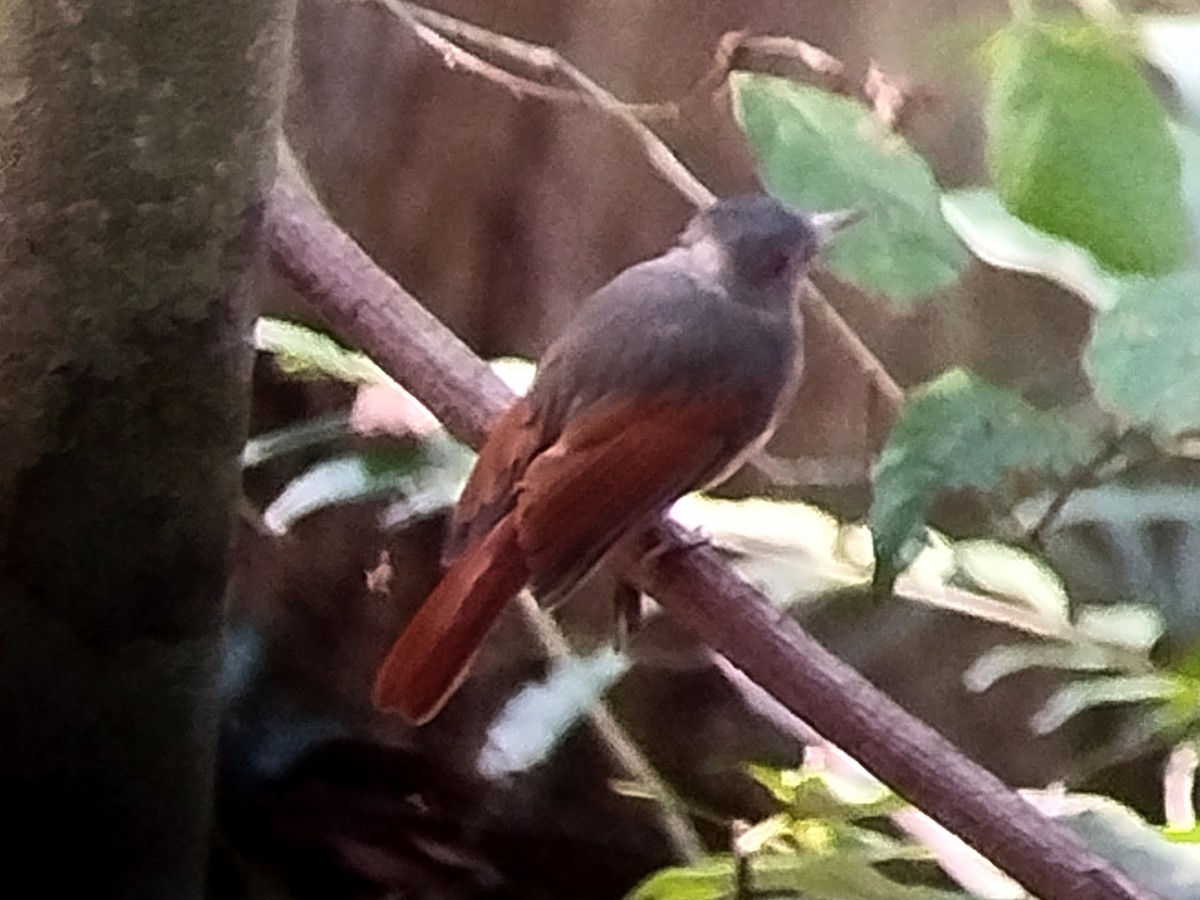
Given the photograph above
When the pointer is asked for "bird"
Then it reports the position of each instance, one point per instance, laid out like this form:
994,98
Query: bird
666,380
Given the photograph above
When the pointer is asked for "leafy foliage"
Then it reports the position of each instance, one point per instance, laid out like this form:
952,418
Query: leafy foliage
816,845
423,475
821,843
958,431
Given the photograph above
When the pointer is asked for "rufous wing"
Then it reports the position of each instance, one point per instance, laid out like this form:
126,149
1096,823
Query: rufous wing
612,468
556,512
489,494
434,652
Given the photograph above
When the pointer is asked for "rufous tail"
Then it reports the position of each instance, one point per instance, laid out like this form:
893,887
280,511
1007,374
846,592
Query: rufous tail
433,654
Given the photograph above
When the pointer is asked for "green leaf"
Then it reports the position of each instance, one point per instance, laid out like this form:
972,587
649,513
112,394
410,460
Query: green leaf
822,151
304,353
1000,239
1144,356
1078,145
827,794
956,432
1003,571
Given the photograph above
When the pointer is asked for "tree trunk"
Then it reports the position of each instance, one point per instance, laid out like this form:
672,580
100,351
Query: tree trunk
136,142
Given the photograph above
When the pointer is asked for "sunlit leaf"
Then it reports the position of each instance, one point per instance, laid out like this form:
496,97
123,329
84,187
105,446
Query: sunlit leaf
344,479
1170,43
1004,571
1001,239
1130,626
842,792
1077,696
1002,661
787,549
821,151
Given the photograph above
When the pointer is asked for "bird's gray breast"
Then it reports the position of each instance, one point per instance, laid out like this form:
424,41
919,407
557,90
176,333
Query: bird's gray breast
658,328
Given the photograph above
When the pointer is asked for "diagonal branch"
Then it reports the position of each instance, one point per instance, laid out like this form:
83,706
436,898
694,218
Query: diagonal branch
366,306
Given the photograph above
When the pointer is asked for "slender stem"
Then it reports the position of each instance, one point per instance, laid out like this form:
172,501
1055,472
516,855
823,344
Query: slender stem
672,810
1083,476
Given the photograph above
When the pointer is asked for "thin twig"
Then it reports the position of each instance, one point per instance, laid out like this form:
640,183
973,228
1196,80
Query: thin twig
743,871
888,394
455,56
546,59
671,809
1083,476
734,46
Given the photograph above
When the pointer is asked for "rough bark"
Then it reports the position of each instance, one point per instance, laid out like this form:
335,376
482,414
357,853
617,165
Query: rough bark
136,141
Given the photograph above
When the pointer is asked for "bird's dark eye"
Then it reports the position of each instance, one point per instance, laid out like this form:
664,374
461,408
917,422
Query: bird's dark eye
778,264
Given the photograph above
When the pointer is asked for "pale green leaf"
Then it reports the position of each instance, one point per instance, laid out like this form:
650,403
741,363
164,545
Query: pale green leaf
821,151
344,479
1172,44
304,435
1006,572
1144,356
1128,626
1002,661
1169,871
1188,142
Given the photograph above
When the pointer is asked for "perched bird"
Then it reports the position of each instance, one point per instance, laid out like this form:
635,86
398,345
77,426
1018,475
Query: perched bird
668,378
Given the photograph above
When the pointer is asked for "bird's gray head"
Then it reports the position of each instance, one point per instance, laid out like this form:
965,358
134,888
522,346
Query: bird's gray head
757,247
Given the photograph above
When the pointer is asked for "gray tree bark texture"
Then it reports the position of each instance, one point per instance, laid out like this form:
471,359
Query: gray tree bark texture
136,143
